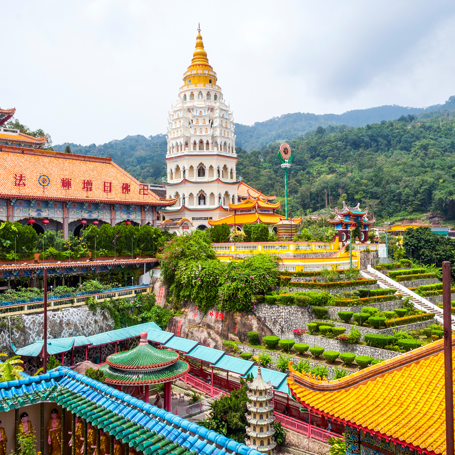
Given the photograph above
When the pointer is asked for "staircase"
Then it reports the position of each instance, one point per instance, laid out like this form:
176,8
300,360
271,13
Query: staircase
419,302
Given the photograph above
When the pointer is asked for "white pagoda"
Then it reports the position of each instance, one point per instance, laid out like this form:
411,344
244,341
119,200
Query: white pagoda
260,416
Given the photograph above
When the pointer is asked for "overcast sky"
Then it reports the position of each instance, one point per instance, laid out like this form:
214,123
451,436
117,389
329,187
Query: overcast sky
93,71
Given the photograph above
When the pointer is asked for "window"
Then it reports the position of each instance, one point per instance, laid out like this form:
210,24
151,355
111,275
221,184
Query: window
201,144
200,96
209,97
184,97
191,96
215,97
201,171
207,146
210,81
201,199
189,81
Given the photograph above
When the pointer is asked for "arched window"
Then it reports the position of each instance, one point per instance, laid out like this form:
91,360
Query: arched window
186,145
207,145
200,96
233,199
184,173
209,97
194,144
184,97
211,172
215,97
231,176
201,171
221,146
181,147
262,443
201,145
218,172
191,172
212,199
201,199
191,96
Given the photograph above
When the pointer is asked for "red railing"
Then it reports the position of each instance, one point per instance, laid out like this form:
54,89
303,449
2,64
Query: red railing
203,386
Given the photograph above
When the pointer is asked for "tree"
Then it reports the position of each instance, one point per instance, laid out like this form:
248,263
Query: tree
68,149
258,232
219,233
11,368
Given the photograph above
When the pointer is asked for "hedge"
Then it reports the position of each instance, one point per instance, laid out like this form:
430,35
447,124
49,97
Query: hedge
439,333
316,351
389,314
319,323
285,280
347,358
409,319
271,341
332,284
325,329
331,356
286,299
379,341
246,355
361,318
375,292
370,310
355,302
363,361
376,361
270,299
401,312
396,273
253,337
286,345
338,330
301,299
376,321
423,276
320,312
408,345
301,348
312,327
345,316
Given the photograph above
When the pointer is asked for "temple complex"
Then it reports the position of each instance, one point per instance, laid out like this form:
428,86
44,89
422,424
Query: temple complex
61,191
349,218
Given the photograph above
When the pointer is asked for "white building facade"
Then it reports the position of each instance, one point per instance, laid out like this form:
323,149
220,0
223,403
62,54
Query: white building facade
201,159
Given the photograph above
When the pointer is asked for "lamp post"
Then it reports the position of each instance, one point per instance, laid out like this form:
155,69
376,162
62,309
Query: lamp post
350,247
386,248
285,157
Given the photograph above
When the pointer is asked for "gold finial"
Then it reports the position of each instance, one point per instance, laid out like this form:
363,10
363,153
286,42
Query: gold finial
199,55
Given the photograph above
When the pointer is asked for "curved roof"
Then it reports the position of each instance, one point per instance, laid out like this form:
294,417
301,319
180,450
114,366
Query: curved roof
6,114
254,202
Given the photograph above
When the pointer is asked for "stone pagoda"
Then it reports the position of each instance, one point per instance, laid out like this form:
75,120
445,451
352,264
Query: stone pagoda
260,416
143,366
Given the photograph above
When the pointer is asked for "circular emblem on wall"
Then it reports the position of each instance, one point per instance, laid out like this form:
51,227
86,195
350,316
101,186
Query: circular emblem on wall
285,153
44,180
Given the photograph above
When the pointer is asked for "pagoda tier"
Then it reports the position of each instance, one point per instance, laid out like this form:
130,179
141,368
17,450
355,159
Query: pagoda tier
6,114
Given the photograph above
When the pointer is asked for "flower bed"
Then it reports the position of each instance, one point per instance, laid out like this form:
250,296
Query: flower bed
332,285
375,299
408,319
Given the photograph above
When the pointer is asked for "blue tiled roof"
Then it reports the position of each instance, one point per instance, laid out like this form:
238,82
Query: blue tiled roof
229,363
205,354
76,392
180,344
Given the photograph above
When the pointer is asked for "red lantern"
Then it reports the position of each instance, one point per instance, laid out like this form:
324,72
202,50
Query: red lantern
127,223
84,222
96,222
45,221
31,222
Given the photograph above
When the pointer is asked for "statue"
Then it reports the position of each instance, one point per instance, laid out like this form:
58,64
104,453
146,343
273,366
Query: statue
3,440
118,447
91,438
25,427
157,402
104,443
79,437
54,433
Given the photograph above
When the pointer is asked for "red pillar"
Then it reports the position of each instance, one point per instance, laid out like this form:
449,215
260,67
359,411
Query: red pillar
63,359
147,394
101,354
211,390
201,370
167,396
86,352
72,356
227,380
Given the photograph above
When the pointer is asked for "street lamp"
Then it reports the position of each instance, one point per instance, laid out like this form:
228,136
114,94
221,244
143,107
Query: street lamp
350,246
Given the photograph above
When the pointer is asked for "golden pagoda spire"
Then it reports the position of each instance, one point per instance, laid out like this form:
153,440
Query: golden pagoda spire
199,55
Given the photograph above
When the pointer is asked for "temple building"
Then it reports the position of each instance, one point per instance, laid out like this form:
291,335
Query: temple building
396,407
61,191
349,218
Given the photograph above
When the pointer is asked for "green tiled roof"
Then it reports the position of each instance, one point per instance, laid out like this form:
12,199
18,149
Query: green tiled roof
143,357
125,377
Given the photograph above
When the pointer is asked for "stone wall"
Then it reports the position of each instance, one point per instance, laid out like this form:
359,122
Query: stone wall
415,283
381,306
368,258
26,329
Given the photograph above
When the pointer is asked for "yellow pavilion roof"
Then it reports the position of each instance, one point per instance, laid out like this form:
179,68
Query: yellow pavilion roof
250,218
15,136
401,398
247,191
254,202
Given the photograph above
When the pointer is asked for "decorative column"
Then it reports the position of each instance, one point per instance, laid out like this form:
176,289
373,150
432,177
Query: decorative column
352,441
112,215
65,220
143,220
9,211
73,434
62,442
41,409
260,416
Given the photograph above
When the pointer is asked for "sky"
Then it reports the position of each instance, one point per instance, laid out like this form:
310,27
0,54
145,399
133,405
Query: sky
91,71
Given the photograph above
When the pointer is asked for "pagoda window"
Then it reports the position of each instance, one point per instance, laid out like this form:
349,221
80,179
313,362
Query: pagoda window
215,97
191,172
224,173
209,97
218,172
186,145
211,172
197,122
212,199
189,81
231,175
194,143
204,122
184,97
191,96
201,144
181,146
207,145
261,443
200,96
201,171
233,199
221,146
201,199
191,200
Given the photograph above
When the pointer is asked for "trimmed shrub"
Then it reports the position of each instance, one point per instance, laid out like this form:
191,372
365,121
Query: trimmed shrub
325,329
361,318
286,345
338,330
347,358
397,273
316,351
246,355
345,316
253,337
271,341
363,361
401,312
270,299
286,299
376,321
374,292
408,344
379,341
328,324
389,314
320,312
312,327
301,347
370,310
331,356
376,361
438,333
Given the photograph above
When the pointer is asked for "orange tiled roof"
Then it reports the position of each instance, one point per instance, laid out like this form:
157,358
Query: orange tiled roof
7,135
402,398
70,177
249,218
252,202
6,114
246,191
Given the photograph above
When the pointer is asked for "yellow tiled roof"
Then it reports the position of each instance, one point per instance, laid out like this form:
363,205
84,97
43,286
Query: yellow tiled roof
70,177
252,202
23,138
402,398
245,190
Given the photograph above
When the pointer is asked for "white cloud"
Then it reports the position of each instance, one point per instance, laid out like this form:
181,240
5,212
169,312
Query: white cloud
92,71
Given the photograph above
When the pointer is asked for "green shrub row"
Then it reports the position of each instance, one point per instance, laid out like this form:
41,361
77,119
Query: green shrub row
301,299
373,292
375,299
423,276
409,319
333,284
394,265
395,273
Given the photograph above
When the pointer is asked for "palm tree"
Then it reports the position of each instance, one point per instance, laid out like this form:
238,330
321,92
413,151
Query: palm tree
10,369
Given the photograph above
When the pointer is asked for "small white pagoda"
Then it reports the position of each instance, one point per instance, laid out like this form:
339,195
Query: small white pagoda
260,416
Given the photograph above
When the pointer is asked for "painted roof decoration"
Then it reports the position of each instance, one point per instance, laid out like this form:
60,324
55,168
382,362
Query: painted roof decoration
401,399
257,202
351,215
143,365
258,383
6,114
148,429
171,223
71,177
245,191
